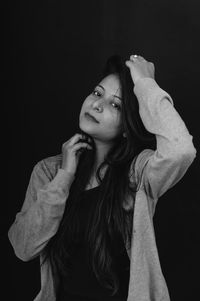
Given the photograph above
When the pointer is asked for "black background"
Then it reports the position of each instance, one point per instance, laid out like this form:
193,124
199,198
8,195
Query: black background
54,52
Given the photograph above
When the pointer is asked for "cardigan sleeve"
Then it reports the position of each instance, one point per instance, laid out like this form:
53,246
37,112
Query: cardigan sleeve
160,169
41,212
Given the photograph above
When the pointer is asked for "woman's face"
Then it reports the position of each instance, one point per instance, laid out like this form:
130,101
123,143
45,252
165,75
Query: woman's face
104,104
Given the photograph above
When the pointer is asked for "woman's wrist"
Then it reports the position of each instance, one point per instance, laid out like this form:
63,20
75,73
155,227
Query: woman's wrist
139,79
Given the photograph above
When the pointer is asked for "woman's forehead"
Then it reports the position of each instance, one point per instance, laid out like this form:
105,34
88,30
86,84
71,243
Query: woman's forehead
111,84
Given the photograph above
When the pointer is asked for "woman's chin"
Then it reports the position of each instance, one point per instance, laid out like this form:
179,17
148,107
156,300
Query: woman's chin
99,135
86,128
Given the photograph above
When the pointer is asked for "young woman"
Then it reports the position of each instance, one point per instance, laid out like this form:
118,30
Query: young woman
88,212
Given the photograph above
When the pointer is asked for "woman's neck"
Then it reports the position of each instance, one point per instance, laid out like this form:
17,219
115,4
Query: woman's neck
102,149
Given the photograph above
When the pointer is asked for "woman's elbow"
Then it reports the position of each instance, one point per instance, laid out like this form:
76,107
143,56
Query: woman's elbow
22,255
190,153
187,155
18,246
185,150
189,150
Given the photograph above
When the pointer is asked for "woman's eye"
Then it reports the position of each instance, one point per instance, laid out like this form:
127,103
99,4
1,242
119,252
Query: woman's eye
115,105
96,93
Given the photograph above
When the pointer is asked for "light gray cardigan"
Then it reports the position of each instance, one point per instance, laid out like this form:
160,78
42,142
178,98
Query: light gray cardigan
156,172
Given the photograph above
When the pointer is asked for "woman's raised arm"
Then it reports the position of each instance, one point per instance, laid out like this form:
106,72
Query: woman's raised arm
175,151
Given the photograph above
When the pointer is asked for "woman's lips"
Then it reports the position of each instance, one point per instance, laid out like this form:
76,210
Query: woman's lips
90,117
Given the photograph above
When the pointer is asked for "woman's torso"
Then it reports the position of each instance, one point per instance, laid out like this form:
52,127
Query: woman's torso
81,283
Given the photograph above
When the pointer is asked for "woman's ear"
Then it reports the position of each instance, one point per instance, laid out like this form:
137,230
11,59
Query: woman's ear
124,135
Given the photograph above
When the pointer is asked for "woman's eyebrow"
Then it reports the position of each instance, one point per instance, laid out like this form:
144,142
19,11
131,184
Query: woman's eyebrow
104,90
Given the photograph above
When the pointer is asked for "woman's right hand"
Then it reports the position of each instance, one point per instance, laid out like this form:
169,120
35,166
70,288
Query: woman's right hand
140,68
71,150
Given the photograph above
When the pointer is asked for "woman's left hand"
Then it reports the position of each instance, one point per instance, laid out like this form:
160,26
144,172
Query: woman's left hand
140,68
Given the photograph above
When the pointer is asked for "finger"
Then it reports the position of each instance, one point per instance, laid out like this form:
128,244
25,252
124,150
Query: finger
80,145
135,57
75,138
141,58
129,64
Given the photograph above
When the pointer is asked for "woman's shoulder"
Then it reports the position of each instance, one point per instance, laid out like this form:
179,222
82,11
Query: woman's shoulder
143,157
138,164
49,165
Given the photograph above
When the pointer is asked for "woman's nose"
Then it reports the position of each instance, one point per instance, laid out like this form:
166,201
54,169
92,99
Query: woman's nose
98,106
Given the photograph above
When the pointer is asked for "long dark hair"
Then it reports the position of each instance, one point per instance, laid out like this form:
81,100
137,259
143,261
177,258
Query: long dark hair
109,214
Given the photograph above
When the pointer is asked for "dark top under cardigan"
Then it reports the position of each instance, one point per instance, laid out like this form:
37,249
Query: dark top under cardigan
81,283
